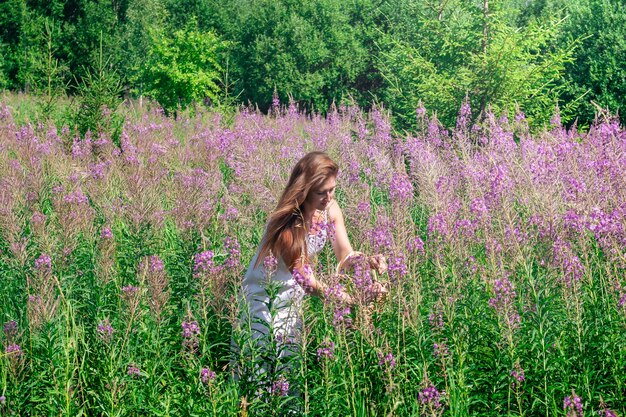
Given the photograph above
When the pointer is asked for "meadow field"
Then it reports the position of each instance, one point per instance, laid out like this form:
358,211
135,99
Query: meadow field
120,260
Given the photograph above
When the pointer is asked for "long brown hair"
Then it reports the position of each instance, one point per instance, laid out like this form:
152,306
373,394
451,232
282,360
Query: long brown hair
285,235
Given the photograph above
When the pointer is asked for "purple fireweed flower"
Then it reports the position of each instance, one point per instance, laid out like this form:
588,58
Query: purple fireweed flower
57,189
622,301
381,236
190,329
270,263
382,127
429,396
76,197
573,405
130,289
98,170
133,370
326,350
3,400
31,197
44,262
517,373
420,112
190,332
504,291
437,225
564,257
10,328
280,387
38,218
504,302
207,376
415,245
275,101
13,350
129,292
606,412
465,114
401,188
500,181
572,221
152,263
341,315
436,320
231,213
334,292
362,276
101,141
81,148
303,280
105,330
106,233
479,208
203,262
397,268
440,350
234,252
387,360
364,208
436,134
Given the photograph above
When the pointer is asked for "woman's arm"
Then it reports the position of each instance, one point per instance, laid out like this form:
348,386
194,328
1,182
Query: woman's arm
341,242
343,248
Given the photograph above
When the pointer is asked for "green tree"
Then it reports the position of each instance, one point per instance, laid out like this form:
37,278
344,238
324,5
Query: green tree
94,22
47,76
12,18
597,74
458,49
145,19
98,99
311,51
4,81
184,68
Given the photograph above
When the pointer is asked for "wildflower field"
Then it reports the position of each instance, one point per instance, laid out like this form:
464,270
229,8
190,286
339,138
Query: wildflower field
120,261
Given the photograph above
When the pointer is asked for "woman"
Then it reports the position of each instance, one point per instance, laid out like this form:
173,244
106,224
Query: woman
280,274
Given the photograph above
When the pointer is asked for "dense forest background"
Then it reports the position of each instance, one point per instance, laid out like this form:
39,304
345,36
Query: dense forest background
507,55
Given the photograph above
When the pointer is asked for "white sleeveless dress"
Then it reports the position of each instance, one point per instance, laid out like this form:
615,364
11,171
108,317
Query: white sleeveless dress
287,303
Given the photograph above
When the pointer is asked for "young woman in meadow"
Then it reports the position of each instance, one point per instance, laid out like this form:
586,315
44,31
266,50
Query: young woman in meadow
280,273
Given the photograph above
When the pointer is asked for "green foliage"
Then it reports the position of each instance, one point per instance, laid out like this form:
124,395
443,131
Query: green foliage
98,99
3,64
184,68
47,75
95,24
516,53
458,50
144,19
12,16
306,50
597,75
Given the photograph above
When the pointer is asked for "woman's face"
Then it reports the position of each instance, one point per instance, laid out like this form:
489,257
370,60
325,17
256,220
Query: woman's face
320,197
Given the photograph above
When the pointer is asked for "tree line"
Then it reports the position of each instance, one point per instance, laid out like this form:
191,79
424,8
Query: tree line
505,55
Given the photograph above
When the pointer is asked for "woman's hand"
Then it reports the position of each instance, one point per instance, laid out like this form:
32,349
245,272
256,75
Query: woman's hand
378,262
377,292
